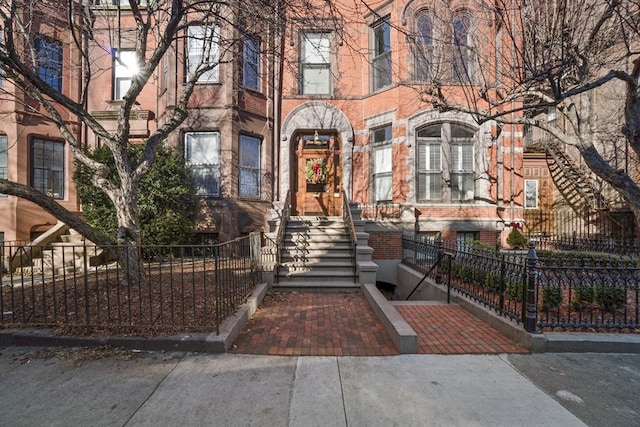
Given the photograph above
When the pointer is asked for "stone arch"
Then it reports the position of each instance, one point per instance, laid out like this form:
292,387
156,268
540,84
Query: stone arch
316,115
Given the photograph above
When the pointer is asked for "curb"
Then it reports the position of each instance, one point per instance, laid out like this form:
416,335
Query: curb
196,342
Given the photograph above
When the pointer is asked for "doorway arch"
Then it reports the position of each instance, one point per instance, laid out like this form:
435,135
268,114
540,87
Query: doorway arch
310,117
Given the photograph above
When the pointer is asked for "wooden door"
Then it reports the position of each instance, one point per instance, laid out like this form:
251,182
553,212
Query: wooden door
319,179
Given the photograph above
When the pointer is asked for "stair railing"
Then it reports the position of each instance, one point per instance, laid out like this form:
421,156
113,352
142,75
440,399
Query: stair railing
282,229
348,220
577,178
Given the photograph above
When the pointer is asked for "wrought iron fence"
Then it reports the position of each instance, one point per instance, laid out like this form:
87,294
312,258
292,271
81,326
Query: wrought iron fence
554,292
588,225
574,242
181,288
484,275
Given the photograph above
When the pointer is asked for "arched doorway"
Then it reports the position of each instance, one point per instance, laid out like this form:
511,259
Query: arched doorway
303,121
317,180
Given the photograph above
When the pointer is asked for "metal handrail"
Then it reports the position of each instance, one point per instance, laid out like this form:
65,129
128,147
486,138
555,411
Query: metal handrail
348,219
282,227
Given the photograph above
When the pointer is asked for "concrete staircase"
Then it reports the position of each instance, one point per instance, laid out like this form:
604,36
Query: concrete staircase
318,255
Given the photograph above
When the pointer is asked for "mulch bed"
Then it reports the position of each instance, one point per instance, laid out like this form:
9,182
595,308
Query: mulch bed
168,301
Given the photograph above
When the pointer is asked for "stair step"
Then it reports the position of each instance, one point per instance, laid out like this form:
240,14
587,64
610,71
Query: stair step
318,286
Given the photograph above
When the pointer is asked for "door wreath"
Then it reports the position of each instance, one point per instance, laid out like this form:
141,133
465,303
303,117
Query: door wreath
315,171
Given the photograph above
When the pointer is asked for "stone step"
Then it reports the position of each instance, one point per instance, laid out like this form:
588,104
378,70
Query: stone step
317,286
284,274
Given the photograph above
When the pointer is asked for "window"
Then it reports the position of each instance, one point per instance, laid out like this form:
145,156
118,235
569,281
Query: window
424,46
47,167
4,159
465,239
457,144
121,3
429,164
164,74
381,63
2,48
202,52
462,177
49,60
531,194
124,70
251,62
202,155
461,49
316,64
249,170
382,165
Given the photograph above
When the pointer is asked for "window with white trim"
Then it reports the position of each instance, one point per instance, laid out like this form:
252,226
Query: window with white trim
381,54
315,64
382,164
202,155
531,194
249,167
125,67
429,163
203,52
47,167
454,144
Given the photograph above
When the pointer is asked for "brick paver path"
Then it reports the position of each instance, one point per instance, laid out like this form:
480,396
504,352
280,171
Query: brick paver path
315,323
343,324
450,329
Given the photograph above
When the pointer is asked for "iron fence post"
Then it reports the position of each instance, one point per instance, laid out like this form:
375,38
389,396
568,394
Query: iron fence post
439,256
530,294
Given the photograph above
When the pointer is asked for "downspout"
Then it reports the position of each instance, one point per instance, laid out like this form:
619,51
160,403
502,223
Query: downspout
278,40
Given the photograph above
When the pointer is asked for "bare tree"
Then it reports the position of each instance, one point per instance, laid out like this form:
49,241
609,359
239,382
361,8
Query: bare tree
156,28
542,54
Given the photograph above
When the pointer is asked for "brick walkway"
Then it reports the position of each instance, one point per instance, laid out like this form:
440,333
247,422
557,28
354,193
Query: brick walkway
343,324
315,323
450,329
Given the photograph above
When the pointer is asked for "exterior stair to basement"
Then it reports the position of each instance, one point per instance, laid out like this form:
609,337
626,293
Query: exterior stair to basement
317,254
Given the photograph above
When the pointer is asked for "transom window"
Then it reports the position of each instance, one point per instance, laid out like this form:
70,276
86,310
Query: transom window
124,70
315,64
49,60
47,167
202,155
203,52
381,60
382,164
457,171
249,170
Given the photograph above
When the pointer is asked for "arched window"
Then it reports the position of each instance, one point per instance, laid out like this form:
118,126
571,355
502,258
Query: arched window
445,155
424,45
462,57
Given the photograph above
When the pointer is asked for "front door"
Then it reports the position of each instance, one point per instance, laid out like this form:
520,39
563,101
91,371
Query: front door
318,181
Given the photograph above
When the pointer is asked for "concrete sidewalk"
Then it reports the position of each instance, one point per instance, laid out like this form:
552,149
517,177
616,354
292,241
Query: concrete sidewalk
163,389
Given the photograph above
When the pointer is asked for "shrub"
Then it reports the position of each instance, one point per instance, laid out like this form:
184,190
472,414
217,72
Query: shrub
167,203
551,297
611,298
583,296
516,239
